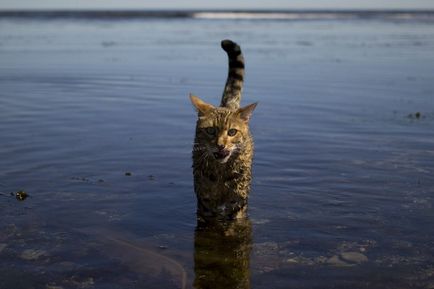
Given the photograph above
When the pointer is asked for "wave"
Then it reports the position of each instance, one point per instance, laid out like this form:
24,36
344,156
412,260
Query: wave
319,15
399,15
269,16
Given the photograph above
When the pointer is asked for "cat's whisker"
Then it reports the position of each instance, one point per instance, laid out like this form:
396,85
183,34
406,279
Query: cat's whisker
204,155
199,148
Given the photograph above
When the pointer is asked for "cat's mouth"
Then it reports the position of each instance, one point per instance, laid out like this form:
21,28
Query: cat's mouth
221,155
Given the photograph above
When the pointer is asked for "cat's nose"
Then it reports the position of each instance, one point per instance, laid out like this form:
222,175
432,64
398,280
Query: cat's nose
220,147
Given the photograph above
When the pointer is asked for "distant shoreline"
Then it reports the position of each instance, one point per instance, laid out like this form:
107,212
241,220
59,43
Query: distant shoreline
423,15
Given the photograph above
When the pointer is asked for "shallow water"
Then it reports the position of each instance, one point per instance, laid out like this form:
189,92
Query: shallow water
96,127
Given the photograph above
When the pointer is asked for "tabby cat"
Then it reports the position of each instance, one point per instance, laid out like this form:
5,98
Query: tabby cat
223,147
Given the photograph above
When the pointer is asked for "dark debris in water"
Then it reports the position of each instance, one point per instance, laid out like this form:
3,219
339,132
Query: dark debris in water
151,177
88,180
82,179
416,115
20,195
128,174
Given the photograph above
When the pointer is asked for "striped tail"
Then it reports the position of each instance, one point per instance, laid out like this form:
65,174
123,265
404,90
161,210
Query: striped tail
234,84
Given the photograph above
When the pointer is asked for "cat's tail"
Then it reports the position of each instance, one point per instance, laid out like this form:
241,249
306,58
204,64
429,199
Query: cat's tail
234,84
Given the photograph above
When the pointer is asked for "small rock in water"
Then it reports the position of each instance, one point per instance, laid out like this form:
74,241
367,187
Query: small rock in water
82,283
338,262
292,261
354,257
31,254
128,174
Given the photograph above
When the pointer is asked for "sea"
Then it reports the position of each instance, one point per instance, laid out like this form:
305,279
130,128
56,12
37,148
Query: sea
96,133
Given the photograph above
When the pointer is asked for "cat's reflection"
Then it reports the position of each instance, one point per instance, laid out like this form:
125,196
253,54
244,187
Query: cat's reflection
222,254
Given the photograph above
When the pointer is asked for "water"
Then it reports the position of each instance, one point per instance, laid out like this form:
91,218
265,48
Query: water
96,127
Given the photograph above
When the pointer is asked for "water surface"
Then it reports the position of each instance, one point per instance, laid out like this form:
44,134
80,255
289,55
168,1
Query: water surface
97,128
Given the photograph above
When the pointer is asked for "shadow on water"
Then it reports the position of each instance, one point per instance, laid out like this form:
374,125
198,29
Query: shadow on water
142,259
222,254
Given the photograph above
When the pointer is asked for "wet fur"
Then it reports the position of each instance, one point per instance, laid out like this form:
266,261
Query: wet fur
222,162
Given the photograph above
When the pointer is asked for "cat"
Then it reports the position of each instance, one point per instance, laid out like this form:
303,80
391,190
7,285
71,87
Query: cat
223,147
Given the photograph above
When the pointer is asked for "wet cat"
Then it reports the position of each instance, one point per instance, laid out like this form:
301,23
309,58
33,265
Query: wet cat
223,147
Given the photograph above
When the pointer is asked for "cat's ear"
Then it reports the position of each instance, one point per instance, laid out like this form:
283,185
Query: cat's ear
201,106
246,112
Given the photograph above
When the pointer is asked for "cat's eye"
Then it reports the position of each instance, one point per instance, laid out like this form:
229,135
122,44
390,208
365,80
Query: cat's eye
211,130
232,132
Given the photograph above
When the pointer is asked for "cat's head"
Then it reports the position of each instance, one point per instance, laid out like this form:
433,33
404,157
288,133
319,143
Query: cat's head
221,132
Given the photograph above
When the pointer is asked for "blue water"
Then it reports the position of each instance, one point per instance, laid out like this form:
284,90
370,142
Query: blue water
96,126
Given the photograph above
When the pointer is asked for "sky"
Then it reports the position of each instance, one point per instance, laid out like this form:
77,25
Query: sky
220,4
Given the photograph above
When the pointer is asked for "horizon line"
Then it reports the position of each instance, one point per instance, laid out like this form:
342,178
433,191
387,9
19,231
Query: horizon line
258,10
238,14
